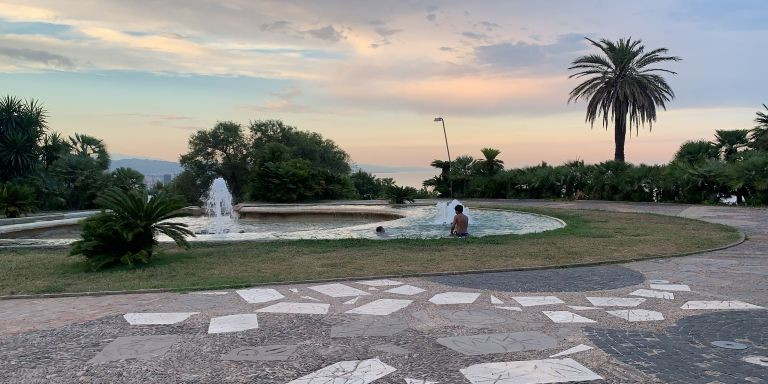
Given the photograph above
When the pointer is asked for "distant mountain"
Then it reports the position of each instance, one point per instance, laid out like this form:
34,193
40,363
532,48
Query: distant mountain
148,167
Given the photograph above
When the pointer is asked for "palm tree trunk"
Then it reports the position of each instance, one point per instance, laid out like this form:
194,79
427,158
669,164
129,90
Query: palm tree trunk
620,132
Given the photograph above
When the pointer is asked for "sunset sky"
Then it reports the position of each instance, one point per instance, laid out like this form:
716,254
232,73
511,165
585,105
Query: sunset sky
372,75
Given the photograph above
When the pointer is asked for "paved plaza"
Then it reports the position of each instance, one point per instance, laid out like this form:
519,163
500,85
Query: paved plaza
693,319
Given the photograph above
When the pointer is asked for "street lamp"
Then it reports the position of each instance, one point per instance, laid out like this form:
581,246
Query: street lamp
450,180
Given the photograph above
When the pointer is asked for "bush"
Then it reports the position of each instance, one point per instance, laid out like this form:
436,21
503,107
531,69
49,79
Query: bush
16,200
127,232
399,195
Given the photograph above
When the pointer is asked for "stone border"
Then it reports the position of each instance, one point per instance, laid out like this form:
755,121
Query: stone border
742,238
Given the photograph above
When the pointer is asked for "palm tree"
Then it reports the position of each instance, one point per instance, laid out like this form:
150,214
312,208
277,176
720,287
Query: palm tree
90,147
491,165
728,142
622,83
22,125
759,135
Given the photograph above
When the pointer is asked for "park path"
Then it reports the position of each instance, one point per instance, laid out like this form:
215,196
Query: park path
640,322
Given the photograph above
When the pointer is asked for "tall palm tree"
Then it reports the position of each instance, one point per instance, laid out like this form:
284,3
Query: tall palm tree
90,147
622,83
759,135
728,142
22,126
491,165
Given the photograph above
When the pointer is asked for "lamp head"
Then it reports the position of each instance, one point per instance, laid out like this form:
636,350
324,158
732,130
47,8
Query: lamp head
438,119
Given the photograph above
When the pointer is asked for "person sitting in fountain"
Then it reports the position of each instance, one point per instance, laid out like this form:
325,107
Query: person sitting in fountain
460,223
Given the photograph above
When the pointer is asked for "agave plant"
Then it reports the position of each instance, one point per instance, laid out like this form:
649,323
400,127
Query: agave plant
127,232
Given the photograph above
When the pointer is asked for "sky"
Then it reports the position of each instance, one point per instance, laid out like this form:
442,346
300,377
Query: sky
372,75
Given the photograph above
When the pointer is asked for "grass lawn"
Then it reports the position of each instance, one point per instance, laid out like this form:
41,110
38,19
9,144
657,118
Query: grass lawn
590,236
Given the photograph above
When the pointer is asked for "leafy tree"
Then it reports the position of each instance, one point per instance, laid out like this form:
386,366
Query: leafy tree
187,187
759,135
692,152
441,182
219,152
127,179
22,127
622,84
749,178
16,200
401,195
127,232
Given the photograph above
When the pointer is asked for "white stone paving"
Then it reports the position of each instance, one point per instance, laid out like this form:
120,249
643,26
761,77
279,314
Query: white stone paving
719,305
517,309
653,294
529,372
381,307
566,317
352,301
233,323
571,351
530,301
157,318
354,371
418,381
379,283
634,315
338,290
297,308
616,301
582,308
671,287
259,295
309,298
495,300
658,281
408,290
209,293
454,298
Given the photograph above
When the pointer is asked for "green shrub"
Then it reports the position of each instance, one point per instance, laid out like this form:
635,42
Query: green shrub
126,231
16,200
399,195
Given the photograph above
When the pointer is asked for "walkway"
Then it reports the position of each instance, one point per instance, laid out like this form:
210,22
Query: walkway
696,319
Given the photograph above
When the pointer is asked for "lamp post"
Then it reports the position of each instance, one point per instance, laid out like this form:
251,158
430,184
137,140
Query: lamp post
450,180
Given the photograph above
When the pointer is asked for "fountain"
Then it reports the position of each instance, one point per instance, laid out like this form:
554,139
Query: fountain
218,206
446,211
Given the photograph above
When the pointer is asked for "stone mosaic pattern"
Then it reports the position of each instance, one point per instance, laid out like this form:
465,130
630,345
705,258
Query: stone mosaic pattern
260,295
369,327
348,372
338,290
454,298
261,353
476,318
160,318
529,372
381,307
498,343
136,347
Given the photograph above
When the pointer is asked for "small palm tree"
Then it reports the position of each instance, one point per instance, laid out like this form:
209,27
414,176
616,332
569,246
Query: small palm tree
90,147
16,200
127,231
728,142
759,135
491,165
622,83
22,125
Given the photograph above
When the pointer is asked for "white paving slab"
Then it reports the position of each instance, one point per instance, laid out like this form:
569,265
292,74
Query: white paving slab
529,372
352,301
634,315
157,318
259,295
209,293
454,298
496,301
298,308
352,372
616,301
653,294
658,281
418,381
570,351
517,309
338,290
233,323
380,283
309,298
531,301
671,287
408,290
719,305
373,289
294,290
582,308
759,360
381,307
566,317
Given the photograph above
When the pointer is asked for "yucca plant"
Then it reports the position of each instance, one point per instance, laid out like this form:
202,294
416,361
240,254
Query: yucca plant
125,232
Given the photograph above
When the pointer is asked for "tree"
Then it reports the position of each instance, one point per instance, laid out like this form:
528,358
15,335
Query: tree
759,135
622,84
22,127
89,147
219,152
692,152
491,165
728,142
127,179
16,200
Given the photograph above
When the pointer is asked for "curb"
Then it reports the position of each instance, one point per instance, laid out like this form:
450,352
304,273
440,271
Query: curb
742,239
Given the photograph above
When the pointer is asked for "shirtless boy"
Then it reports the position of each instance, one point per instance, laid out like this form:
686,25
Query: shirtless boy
460,223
